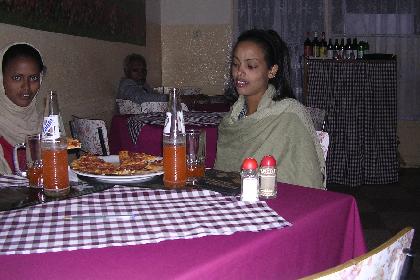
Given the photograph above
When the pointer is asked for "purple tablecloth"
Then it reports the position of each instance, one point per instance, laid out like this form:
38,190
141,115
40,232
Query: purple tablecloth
326,231
150,139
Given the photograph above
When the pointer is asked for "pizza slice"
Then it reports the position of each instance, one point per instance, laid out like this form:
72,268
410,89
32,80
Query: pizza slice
93,165
73,143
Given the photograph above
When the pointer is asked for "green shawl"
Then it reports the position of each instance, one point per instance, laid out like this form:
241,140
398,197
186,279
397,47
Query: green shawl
279,128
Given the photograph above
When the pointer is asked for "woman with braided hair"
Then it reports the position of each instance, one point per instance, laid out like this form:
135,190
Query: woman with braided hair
266,118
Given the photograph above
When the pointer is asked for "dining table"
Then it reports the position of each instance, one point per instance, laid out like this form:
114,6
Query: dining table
302,231
144,132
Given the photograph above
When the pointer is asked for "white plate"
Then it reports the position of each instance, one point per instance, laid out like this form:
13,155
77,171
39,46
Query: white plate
119,179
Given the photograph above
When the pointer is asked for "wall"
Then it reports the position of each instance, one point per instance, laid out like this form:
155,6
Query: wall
85,72
196,37
409,148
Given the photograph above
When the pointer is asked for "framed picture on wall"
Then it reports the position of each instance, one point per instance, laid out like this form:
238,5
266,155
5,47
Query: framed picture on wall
111,20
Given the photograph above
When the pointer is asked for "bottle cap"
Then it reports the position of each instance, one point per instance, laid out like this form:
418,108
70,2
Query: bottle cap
268,160
249,163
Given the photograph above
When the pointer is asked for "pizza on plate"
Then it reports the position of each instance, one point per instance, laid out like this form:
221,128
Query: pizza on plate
130,163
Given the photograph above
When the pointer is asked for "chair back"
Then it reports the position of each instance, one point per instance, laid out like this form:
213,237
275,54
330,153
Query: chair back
126,107
384,262
92,135
318,118
147,107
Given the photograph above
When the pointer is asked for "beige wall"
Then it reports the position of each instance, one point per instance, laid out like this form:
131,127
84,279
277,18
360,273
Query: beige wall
85,72
195,56
409,148
196,38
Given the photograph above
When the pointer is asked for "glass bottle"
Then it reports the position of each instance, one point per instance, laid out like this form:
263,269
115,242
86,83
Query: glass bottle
330,49
366,48
54,150
347,49
342,47
354,48
268,177
360,50
307,46
174,145
315,45
336,49
323,46
249,180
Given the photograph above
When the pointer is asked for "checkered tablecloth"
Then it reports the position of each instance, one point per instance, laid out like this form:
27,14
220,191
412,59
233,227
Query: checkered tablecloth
13,181
360,99
136,122
129,216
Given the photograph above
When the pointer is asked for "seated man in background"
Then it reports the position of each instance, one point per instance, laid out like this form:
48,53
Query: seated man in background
134,86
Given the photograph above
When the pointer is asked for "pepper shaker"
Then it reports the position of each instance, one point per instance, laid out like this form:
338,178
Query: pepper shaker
268,183
249,180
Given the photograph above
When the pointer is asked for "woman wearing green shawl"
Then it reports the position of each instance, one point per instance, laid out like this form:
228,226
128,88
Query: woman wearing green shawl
266,119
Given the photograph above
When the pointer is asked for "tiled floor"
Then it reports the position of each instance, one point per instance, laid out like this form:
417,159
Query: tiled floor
386,209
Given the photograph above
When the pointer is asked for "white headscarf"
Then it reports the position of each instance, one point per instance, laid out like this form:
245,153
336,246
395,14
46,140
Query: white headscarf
16,122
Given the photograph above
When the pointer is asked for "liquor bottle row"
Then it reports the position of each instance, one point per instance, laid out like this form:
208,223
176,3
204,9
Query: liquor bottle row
345,49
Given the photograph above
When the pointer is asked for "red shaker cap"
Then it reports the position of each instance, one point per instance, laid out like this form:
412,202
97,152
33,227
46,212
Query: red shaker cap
249,163
268,160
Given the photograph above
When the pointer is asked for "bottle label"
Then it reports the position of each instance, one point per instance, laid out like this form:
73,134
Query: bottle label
268,171
167,127
51,128
180,121
330,54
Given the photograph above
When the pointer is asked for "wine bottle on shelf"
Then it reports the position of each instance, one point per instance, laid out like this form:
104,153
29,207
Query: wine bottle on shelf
323,46
174,144
366,50
307,46
360,50
54,150
336,49
347,49
354,48
342,48
330,49
315,45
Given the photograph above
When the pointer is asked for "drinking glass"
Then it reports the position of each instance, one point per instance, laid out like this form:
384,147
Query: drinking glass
196,154
33,160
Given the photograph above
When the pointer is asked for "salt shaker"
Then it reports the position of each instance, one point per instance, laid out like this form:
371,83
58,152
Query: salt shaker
268,184
249,180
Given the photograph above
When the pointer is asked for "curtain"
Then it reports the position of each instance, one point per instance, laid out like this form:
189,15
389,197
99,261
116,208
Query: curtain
390,26
396,30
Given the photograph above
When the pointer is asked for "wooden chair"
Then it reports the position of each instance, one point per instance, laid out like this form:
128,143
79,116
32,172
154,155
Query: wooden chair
390,260
92,135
